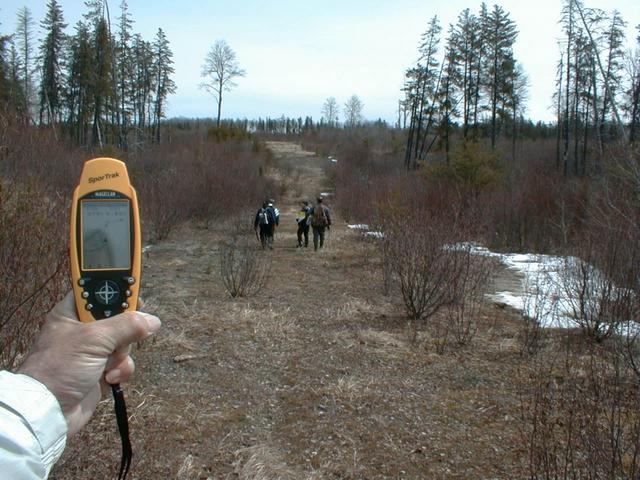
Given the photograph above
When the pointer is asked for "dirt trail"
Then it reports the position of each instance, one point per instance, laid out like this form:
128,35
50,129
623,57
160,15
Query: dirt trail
313,378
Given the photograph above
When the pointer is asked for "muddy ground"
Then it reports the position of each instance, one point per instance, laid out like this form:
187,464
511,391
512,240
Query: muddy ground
313,378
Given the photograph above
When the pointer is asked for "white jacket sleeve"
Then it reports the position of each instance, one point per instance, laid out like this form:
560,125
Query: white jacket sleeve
33,431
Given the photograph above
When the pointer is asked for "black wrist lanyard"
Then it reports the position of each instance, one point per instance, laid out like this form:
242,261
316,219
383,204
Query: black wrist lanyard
123,427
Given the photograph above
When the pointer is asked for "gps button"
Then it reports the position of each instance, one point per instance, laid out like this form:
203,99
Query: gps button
107,292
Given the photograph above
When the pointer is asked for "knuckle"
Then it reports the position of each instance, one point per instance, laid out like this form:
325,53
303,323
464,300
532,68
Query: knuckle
138,327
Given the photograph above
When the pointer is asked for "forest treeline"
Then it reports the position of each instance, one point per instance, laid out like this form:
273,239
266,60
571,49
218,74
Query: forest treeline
470,82
102,84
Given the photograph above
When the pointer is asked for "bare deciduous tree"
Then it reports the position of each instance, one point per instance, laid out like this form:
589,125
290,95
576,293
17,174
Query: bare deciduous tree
330,111
220,68
353,111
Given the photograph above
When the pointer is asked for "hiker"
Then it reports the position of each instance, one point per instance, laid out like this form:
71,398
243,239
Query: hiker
271,204
56,390
303,221
266,221
320,220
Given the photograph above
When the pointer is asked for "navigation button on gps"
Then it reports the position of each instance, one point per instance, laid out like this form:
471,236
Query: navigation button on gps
107,293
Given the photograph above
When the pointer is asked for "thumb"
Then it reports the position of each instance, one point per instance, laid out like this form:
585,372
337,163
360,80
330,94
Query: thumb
124,329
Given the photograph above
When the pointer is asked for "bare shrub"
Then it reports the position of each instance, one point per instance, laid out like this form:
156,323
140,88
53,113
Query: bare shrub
198,179
580,416
540,304
631,347
33,265
424,263
244,269
590,295
161,204
469,286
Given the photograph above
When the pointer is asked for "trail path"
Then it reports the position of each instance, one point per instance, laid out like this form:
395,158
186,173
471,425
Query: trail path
313,378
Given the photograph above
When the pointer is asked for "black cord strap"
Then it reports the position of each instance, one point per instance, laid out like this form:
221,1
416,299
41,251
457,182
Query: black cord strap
123,428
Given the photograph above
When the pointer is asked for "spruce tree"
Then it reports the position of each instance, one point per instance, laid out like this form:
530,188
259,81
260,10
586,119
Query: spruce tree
51,52
164,84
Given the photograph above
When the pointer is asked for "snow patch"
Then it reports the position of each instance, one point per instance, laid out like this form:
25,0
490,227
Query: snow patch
544,294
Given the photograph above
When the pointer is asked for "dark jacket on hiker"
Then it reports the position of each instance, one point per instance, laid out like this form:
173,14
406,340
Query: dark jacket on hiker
303,220
319,223
265,219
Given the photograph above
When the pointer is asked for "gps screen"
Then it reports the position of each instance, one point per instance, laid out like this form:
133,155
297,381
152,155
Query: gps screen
106,236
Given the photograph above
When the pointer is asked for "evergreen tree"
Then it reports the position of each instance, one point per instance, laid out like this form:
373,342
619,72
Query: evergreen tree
164,84
421,86
102,85
633,105
24,37
80,82
613,44
143,84
125,74
51,51
448,93
501,36
466,46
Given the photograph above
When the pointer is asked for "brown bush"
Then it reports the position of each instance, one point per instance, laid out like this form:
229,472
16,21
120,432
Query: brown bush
33,264
537,307
198,179
244,269
423,254
469,288
580,415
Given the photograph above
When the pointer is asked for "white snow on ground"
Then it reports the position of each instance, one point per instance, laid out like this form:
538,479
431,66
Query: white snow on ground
365,230
545,293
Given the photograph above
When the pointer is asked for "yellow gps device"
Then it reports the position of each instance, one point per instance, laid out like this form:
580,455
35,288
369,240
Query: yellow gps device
105,258
105,241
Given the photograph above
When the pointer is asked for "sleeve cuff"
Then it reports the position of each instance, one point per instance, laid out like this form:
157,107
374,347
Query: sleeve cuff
40,411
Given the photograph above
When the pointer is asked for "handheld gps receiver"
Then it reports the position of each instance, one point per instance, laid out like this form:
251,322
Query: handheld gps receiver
105,241
105,258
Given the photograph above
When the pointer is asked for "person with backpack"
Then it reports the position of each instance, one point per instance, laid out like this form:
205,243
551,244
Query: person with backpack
265,220
303,224
271,204
320,221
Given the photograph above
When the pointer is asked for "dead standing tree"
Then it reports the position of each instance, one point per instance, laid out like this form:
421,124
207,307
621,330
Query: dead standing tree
219,70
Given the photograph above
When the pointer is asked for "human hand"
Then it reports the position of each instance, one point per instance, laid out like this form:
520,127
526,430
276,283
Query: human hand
75,360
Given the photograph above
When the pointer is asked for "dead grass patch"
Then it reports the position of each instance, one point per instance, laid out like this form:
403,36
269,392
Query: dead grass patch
263,462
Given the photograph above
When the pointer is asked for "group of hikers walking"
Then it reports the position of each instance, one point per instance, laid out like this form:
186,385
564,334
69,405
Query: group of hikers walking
317,217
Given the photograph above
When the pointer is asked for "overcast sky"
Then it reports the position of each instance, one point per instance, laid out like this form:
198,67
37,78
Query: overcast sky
299,52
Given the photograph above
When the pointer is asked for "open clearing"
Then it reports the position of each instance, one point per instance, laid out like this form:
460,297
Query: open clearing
313,378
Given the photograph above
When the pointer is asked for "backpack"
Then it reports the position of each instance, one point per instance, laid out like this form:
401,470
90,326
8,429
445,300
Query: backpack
263,217
274,214
319,217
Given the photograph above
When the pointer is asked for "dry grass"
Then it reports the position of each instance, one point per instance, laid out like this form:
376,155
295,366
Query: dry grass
262,462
